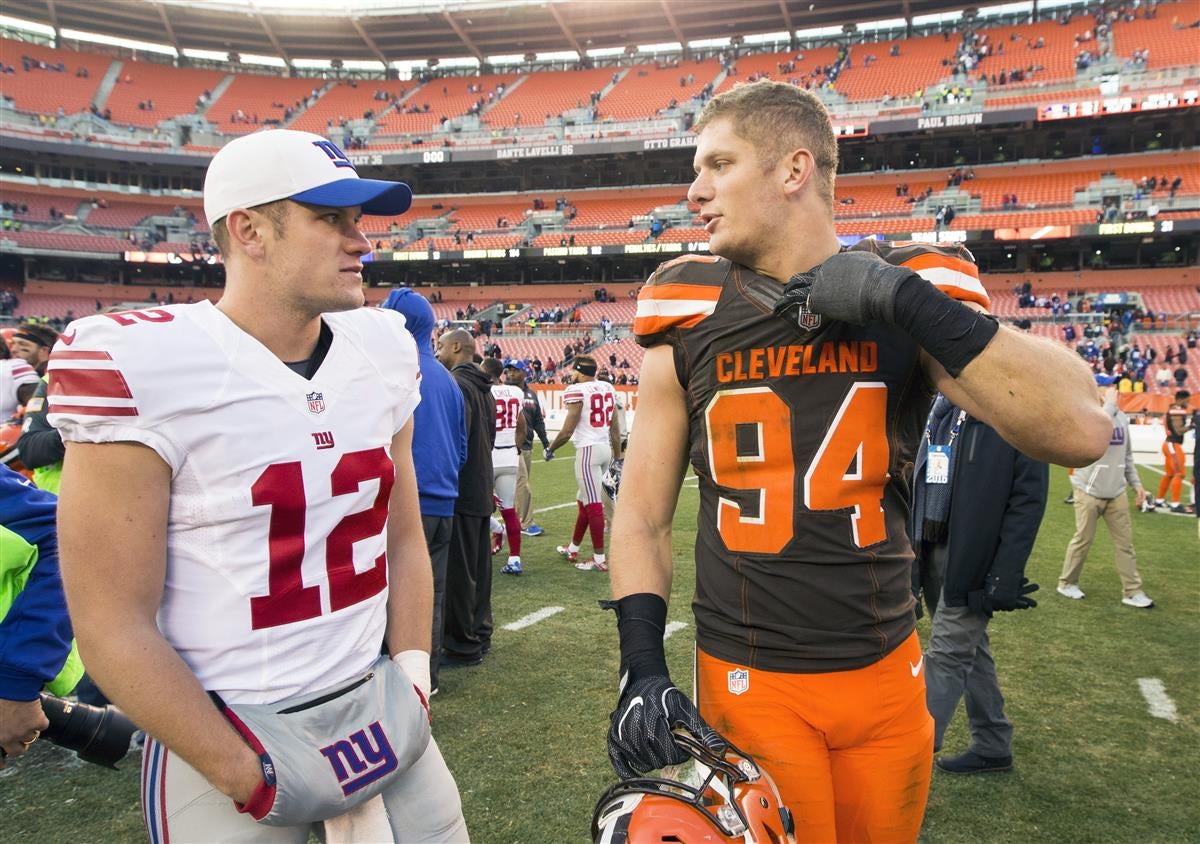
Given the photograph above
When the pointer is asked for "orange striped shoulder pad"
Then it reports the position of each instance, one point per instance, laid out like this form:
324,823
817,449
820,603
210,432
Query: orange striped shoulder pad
680,294
950,268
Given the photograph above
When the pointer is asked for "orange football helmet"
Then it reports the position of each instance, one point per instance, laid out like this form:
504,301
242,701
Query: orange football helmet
10,432
735,801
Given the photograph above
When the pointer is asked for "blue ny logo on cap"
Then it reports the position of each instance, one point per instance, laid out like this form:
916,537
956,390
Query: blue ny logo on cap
338,157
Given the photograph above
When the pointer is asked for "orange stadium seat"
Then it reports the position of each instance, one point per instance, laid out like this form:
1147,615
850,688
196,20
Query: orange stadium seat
264,97
550,93
626,348
1056,58
759,65
450,97
173,90
66,242
1169,36
919,65
348,100
45,91
645,89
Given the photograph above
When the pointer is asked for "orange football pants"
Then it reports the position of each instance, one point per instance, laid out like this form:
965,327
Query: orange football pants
851,751
1173,472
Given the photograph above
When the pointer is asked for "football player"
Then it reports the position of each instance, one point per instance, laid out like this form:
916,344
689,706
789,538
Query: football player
239,491
591,425
796,378
510,430
18,383
1176,421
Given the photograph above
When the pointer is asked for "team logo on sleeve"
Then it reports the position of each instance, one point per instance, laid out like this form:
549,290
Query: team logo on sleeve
739,681
316,402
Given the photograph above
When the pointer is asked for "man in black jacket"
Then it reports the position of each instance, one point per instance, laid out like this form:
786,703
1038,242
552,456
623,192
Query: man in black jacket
977,506
468,610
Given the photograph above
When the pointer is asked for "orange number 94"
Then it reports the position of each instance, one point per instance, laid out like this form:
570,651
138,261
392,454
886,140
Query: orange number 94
848,472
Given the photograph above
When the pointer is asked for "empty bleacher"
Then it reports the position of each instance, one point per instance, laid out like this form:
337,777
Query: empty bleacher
1169,36
348,100
173,91
261,99
646,89
546,94
446,98
43,91
767,65
919,65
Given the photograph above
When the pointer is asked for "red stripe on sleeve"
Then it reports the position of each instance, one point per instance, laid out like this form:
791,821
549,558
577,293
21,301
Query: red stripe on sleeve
96,383
91,410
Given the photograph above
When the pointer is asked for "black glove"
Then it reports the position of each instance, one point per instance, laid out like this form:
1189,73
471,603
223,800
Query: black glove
1002,595
649,706
854,287
548,453
860,287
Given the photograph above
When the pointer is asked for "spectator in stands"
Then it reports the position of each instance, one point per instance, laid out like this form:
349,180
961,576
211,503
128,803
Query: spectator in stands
1181,375
1162,377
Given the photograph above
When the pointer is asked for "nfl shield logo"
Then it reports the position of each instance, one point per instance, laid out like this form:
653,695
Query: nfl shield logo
316,402
807,319
739,681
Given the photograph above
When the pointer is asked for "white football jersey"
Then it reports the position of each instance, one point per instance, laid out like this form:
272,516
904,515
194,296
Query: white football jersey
510,403
599,403
13,373
276,571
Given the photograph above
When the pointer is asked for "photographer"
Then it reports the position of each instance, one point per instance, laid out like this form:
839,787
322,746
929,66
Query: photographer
36,648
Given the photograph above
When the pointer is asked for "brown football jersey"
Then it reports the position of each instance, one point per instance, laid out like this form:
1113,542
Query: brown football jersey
802,433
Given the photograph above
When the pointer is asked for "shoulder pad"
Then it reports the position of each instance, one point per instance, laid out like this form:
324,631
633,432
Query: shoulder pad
680,294
950,268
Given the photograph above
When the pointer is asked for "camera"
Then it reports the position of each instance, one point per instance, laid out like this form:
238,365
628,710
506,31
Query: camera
97,734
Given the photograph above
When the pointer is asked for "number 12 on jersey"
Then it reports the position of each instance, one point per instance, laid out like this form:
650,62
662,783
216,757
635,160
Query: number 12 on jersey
848,471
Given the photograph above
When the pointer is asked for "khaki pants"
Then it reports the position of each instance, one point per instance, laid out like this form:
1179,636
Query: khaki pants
524,496
1088,510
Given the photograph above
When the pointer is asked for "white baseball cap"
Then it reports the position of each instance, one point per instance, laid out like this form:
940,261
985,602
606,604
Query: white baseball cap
283,164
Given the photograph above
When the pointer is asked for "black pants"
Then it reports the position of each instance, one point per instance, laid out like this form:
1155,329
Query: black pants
468,604
437,538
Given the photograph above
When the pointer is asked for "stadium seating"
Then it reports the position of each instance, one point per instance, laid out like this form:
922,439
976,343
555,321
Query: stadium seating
173,91
919,65
626,348
549,93
1056,59
646,89
45,91
767,65
261,97
348,100
450,97
1168,36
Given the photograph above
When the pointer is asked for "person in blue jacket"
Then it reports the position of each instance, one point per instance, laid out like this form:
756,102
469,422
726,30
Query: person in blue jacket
36,642
439,449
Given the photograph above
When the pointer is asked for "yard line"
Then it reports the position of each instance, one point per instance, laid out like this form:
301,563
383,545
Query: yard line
1156,471
673,627
533,618
1157,699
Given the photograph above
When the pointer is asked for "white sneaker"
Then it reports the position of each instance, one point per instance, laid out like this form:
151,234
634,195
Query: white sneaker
1071,591
1138,599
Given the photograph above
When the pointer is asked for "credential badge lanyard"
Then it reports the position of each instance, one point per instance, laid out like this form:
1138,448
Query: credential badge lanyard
937,459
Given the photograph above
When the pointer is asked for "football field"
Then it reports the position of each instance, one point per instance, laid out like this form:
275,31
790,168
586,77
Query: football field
524,733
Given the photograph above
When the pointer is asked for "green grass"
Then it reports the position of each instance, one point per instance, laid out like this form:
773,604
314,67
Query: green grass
524,733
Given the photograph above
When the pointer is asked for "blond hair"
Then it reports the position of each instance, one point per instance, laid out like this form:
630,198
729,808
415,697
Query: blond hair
778,118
